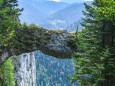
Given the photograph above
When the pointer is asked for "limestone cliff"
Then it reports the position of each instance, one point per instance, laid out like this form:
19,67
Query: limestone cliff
25,69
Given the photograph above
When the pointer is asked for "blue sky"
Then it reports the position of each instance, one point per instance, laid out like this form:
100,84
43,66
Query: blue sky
70,1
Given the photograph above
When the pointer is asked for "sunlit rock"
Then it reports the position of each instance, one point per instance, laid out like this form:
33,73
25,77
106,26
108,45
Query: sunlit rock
25,69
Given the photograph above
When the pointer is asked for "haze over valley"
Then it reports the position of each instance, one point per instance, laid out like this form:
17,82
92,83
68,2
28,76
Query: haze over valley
53,14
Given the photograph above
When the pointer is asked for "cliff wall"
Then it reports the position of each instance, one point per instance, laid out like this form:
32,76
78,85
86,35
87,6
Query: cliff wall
25,69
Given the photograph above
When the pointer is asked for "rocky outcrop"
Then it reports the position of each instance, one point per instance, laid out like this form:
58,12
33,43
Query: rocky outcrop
58,42
58,45
50,42
31,38
25,69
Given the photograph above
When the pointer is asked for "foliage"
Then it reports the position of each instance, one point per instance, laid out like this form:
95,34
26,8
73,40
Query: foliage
8,21
72,40
94,61
7,74
29,37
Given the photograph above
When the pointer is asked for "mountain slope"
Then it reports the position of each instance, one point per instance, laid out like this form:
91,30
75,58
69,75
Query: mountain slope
66,17
35,11
52,15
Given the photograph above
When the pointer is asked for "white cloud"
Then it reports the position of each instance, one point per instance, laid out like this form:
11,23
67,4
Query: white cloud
55,0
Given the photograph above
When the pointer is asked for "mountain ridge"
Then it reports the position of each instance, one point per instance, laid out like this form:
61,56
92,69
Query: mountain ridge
53,15
35,11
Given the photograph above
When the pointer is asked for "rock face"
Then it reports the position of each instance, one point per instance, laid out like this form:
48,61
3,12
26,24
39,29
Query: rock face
50,42
25,69
57,46
58,42
31,38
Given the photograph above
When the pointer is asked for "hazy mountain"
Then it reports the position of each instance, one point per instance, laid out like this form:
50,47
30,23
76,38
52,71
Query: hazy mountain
35,11
74,26
52,15
68,18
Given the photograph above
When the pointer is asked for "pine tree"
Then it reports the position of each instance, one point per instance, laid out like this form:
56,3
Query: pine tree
9,13
8,21
95,59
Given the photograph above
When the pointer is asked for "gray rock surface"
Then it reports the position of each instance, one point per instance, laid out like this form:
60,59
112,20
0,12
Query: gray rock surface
25,69
58,42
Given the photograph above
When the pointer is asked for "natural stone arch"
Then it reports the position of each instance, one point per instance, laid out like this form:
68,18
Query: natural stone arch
31,38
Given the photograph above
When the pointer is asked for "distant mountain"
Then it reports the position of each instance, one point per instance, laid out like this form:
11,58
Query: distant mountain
68,18
52,15
74,26
37,10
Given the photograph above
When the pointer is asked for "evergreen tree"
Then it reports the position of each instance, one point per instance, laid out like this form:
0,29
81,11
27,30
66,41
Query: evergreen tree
9,13
94,61
8,21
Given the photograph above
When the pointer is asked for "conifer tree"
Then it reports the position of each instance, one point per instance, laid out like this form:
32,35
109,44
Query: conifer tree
95,59
8,21
9,13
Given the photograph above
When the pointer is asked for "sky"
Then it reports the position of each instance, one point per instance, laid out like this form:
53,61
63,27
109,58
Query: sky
70,1
67,1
